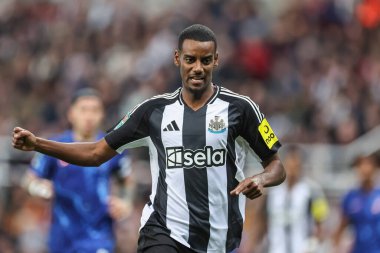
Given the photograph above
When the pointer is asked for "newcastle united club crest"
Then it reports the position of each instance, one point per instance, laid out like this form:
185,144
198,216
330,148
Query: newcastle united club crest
217,125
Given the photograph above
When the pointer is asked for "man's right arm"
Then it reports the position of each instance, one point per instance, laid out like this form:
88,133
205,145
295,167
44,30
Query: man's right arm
79,153
338,233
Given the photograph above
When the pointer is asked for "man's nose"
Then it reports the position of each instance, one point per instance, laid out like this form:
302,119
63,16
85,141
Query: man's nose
198,67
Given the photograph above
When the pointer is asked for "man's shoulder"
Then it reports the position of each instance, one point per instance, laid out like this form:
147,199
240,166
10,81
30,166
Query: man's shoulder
164,97
243,104
235,98
352,194
158,100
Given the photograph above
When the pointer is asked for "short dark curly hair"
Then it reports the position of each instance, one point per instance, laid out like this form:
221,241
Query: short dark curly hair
84,92
196,32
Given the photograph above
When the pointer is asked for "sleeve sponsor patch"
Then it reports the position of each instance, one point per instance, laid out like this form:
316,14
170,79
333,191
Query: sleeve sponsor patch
267,133
126,117
319,209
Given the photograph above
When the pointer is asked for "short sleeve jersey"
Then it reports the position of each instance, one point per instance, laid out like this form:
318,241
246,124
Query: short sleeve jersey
292,213
80,219
362,209
196,159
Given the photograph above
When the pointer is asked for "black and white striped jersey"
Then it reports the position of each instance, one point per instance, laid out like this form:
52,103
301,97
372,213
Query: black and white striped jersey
196,159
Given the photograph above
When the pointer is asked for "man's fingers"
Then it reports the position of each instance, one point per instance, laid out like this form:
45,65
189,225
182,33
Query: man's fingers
19,133
19,143
243,186
22,139
18,140
114,203
17,129
238,189
254,195
23,134
118,208
111,201
18,136
250,188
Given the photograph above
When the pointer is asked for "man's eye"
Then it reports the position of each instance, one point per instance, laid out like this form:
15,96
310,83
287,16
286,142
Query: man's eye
206,61
189,60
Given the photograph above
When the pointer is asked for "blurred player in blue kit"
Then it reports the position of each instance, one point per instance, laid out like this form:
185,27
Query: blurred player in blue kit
83,209
361,209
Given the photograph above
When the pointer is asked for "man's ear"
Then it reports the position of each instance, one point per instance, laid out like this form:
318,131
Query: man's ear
69,115
216,59
176,57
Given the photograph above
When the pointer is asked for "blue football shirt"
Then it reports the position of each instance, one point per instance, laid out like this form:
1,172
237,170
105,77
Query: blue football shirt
80,218
363,212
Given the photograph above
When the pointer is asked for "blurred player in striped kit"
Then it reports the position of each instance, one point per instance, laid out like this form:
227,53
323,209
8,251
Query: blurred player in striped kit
293,213
83,210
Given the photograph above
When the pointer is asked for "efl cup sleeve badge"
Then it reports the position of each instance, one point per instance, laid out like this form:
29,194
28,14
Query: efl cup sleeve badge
267,133
126,117
217,125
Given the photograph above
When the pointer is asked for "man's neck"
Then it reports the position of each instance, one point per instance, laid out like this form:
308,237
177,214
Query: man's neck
291,181
196,100
367,186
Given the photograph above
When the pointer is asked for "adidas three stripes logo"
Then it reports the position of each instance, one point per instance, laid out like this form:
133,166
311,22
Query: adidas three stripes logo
172,126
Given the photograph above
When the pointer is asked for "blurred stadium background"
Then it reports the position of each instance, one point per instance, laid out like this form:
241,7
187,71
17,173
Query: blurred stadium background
312,65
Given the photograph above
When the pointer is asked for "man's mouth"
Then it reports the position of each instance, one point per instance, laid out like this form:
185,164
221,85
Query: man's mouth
197,79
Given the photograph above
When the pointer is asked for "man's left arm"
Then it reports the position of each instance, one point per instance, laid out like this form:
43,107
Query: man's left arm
319,211
119,205
255,129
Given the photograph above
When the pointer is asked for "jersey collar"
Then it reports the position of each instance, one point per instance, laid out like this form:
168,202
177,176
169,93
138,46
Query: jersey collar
210,100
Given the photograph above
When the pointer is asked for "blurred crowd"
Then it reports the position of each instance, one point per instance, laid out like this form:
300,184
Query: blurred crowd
313,66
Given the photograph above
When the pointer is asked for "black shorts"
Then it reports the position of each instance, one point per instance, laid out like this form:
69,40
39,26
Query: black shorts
155,238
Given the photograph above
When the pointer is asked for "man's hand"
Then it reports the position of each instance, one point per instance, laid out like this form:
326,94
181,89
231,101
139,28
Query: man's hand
251,187
118,208
23,139
38,187
41,188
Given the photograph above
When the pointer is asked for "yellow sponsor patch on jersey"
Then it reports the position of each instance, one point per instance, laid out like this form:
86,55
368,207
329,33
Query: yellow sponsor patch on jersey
319,209
267,133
